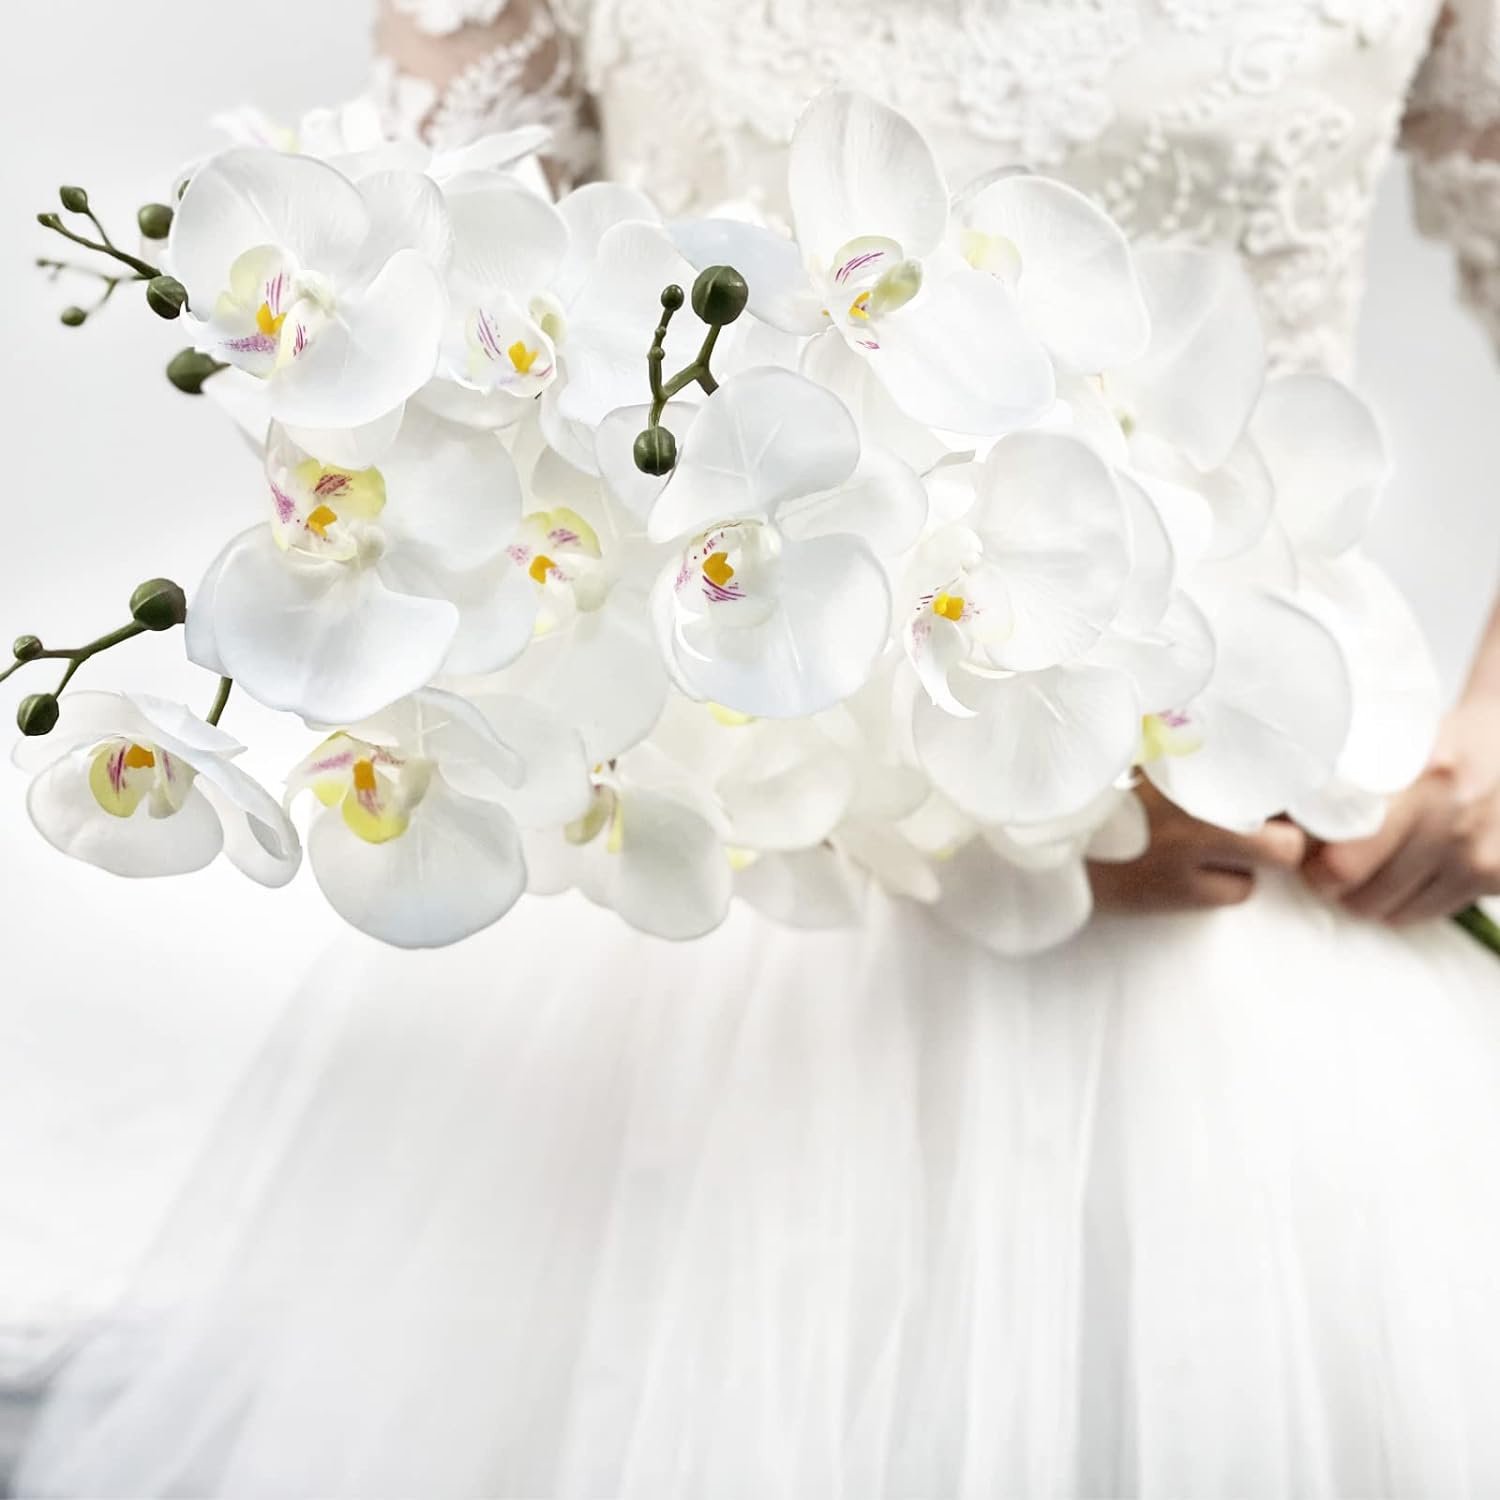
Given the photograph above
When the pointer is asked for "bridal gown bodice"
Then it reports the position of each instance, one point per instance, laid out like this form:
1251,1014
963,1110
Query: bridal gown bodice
1260,124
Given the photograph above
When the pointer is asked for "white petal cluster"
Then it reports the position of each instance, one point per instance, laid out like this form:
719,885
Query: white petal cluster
988,516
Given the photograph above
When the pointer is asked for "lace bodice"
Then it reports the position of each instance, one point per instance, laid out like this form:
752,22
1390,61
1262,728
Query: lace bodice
1262,124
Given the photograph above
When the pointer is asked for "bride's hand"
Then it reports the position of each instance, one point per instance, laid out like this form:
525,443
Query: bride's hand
1190,865
1440,846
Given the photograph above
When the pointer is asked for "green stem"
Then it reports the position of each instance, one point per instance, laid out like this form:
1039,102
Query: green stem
655,356
1483,929
143,269
221,699
698,371
77,655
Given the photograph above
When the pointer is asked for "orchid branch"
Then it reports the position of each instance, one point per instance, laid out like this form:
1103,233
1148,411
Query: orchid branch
158,604
719,297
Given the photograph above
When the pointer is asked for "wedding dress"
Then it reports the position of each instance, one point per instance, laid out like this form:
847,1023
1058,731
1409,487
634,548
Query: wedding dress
1200,1205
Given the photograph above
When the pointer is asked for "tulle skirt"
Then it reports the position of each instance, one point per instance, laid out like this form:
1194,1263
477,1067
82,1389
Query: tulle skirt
1200,1206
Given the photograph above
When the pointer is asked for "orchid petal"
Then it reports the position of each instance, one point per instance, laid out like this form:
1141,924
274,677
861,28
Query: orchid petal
819,644
1008,909
762,438
456,869
1041,745
781,292
857,167
1054,525
1201,377
958,357
1268,735
380,349
247,197
321,639
67,814
1077,284
1326,457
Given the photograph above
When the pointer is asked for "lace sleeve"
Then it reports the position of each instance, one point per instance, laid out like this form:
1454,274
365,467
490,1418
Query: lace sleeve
455,70
1453,132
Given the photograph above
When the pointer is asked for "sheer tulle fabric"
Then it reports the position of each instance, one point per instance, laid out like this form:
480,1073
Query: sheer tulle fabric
1202,1205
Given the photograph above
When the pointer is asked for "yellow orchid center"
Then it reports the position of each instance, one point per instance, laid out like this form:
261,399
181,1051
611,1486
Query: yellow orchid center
604,816
541,566
124,773
860,307
522,358
268,322
949,606
996,253
374,788
320,520
1168,734
717,570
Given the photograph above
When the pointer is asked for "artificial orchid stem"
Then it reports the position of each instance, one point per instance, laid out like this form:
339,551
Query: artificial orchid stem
75,656
144,271
221,700
1481,927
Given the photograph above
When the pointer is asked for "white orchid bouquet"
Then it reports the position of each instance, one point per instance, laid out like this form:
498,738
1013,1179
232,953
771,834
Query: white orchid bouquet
675,562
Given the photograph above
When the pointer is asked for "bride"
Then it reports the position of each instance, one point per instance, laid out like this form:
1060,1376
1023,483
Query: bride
1207,1203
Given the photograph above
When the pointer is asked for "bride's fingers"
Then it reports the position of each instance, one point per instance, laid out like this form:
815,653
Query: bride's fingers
1213,886
1446,893
1404,874
1337,869
1278,845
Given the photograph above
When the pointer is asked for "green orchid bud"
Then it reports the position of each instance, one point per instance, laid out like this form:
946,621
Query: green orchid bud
189,368
73,317
720,295
26,648
37,715
158,604
74,199
166,296
672,298
155,220
49,220
655,451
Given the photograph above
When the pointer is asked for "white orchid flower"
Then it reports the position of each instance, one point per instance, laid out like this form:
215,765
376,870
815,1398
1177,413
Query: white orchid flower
1034,574
365,584
593,659
1022,891
544,298
1327,458
777,604
1177,417
141,787
419,840
1014,721
1259,736
1066,262
330,291
869,265
656,857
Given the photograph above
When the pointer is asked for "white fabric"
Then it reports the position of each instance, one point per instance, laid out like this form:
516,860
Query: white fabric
1199,1206
1202,1205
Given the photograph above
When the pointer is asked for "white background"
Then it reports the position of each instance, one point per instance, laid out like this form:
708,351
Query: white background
127,1011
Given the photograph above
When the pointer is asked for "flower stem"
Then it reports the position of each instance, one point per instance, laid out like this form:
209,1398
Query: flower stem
221,699
76,656
143,269
1482,928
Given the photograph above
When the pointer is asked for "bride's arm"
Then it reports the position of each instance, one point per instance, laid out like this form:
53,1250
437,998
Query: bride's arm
1440,846
462,69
